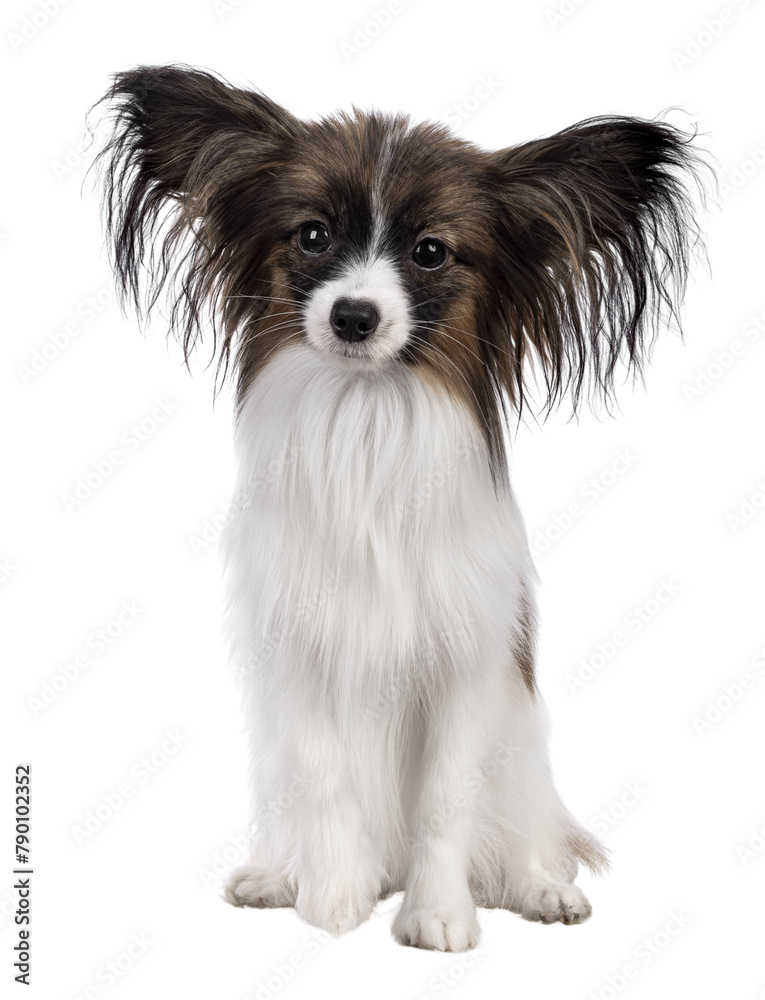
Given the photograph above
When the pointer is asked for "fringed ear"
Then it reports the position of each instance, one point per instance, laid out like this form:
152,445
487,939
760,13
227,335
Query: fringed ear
182,141
595,230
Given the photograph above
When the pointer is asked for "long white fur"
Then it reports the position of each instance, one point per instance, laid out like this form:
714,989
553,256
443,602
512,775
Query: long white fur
375,578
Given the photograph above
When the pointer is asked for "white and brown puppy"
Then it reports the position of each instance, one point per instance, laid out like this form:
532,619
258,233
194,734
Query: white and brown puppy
379,291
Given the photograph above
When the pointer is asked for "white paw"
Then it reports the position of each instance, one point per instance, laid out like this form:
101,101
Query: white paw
556,901
335,912
252,885
442,928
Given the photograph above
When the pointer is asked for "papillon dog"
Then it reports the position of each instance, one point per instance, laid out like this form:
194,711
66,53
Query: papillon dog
388,297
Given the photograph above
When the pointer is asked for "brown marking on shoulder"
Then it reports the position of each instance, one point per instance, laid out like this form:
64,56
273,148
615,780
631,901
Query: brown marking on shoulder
524,647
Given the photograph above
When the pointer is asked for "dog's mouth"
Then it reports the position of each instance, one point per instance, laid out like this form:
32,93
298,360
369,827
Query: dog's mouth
376,348
353,351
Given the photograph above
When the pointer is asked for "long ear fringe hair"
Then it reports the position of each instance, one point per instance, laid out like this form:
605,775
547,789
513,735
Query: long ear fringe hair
180,141
600,228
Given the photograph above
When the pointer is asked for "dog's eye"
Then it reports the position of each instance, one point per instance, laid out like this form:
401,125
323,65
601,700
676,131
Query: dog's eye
313,237
430,253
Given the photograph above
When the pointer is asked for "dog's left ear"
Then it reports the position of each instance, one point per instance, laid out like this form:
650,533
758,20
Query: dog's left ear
594,230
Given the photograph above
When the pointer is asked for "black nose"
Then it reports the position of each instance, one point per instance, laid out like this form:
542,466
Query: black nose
354,319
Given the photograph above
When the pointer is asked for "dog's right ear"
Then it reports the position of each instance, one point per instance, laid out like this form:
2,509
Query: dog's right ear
169,115
179,136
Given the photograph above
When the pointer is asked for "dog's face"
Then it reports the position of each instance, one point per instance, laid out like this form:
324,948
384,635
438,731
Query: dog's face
378,243
382,227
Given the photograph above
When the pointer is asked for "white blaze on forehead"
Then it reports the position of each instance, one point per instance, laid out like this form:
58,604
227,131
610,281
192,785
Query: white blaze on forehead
378,212
372,278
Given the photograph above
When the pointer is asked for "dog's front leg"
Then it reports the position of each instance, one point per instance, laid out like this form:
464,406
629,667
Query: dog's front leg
438,910
338,865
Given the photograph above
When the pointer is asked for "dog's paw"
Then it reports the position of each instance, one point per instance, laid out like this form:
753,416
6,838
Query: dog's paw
252,885
556,901
335,912
441,928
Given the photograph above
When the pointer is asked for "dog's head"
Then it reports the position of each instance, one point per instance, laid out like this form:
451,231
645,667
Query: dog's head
380,243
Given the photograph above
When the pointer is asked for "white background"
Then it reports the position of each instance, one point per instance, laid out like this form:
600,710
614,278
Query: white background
676,800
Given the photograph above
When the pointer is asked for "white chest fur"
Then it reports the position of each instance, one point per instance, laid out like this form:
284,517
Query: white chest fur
367,531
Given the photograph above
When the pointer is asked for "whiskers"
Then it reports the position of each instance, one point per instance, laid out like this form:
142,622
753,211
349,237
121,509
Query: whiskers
439,326
263,298
438,353
274,328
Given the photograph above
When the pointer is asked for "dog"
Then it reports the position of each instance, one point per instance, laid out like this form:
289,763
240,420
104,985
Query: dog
388,299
